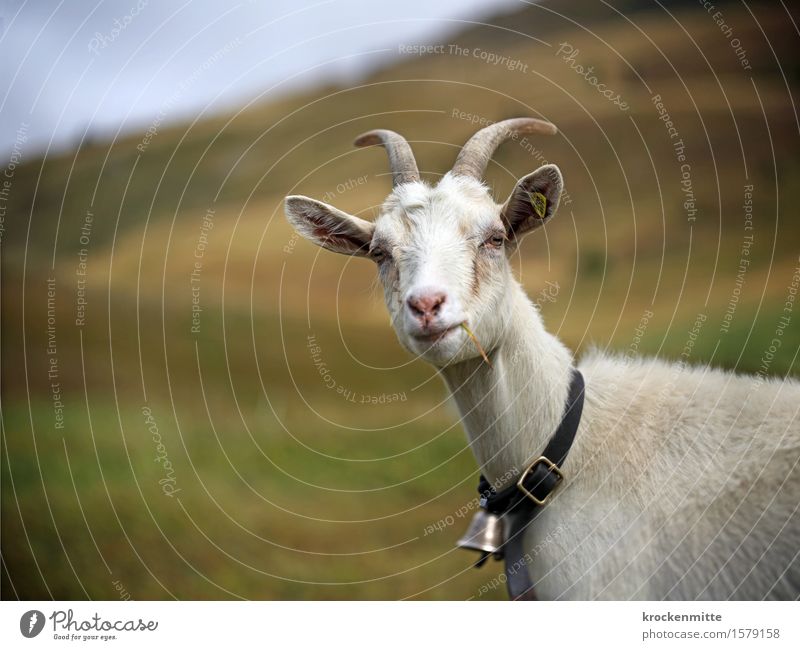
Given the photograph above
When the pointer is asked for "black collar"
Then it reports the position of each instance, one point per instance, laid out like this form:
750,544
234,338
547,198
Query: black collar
524,498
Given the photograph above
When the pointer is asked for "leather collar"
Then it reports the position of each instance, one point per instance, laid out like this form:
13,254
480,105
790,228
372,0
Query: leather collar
522,501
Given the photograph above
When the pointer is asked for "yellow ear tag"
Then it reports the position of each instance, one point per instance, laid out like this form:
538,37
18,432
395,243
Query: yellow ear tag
539,203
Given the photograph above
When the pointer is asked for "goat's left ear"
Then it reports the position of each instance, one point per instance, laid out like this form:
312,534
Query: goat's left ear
533,202
329,227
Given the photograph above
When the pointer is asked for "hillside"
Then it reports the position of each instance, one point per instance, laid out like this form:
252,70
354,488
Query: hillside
269,459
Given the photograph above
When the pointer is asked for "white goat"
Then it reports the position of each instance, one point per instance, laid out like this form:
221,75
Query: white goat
683,482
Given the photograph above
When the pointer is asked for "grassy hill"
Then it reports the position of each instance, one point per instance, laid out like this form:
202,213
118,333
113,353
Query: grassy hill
296,484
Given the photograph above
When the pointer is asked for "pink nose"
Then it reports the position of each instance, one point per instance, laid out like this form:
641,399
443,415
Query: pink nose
426,304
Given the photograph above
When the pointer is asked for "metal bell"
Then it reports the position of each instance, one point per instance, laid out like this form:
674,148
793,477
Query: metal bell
485,534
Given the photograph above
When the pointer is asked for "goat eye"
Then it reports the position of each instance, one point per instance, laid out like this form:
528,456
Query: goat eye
377,254
495,241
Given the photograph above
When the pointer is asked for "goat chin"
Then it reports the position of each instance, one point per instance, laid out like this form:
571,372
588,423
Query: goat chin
683,482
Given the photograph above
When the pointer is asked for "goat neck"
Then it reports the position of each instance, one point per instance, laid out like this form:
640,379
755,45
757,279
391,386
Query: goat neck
511,407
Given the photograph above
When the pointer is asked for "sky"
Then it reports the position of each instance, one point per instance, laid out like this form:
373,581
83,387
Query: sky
87,68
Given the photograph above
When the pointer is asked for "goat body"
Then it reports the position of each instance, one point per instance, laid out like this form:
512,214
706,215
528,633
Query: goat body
683,482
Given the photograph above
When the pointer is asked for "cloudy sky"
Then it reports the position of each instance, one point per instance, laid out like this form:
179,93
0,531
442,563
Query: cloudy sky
75,67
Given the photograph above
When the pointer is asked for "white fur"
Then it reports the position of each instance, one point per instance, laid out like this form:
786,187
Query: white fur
682,482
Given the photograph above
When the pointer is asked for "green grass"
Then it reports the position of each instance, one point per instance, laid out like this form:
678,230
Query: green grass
239,499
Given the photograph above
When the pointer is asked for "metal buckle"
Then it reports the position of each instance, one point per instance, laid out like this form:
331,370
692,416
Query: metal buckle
551,466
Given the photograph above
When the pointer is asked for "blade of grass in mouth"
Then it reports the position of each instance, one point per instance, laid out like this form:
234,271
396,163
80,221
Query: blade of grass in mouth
477,344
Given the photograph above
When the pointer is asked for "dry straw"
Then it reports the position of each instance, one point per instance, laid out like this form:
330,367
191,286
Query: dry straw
477,344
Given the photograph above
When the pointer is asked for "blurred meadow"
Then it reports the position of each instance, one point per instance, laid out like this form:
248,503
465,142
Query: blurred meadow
303,453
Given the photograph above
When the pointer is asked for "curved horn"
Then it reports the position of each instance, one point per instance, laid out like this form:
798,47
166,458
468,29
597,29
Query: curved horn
401,158
475,155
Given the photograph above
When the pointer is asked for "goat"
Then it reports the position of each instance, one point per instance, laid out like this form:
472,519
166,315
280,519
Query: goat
683,482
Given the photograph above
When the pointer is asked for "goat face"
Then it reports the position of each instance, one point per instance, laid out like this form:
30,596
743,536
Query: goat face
441,251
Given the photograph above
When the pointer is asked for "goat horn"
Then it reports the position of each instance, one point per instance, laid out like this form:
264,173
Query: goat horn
475,155
401,158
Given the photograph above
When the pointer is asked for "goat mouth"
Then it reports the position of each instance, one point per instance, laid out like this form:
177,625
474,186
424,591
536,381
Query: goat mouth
434,336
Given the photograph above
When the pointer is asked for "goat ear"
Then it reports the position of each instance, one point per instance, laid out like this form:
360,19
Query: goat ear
533,201
328,227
